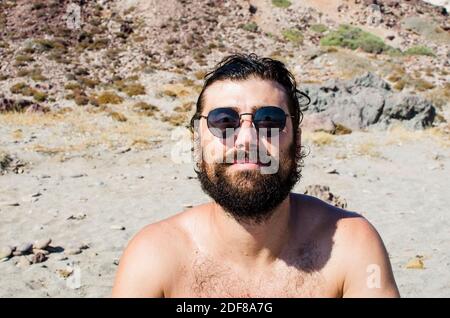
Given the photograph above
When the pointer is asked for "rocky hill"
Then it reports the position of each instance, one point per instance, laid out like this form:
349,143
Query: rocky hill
118,48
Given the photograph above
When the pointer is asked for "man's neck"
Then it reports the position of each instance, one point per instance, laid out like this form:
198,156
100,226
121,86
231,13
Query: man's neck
249,242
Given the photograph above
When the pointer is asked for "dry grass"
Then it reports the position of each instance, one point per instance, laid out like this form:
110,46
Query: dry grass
17,134
319,138
176,119
79,130
144,108
439,96
177,90
398,134
16,119
109,97
350,64
118,117
368,148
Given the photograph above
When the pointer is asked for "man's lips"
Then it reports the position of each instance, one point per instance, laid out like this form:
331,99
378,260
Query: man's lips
249,162
244,161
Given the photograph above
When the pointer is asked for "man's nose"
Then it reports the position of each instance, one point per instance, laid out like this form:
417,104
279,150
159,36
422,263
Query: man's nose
246,136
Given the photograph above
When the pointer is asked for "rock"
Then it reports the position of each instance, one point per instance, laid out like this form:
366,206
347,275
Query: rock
17,253
390,37
375,16
323,193
37,108
117,227
79,216
332,171
5,252
116,261
38,258
420,112
42,244
37,251
10,105
84,246
25,248
317,122
123,150
366,100
416,263
72,251
126,27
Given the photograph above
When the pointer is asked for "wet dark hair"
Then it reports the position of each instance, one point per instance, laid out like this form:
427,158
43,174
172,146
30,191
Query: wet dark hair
240,67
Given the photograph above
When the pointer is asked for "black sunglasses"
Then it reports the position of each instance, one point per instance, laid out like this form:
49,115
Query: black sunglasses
268,117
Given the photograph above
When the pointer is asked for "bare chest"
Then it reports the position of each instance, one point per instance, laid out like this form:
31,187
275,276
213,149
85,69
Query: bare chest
211,278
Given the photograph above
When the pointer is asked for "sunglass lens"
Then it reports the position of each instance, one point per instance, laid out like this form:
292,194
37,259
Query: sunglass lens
271,118
221,119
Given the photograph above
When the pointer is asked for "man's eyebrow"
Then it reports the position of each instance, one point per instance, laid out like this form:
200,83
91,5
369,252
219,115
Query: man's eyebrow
253,108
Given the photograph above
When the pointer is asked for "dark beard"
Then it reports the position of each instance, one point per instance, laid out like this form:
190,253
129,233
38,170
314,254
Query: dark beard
248,195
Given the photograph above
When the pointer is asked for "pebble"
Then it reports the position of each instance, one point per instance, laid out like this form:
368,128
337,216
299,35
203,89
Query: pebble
78,175
25,248
187,205
117,227
116,261
84,246
44,176
38,258
123,150
9,203
332,171
42,244
40,251
64,273
72,251
5,252
416,263
79,216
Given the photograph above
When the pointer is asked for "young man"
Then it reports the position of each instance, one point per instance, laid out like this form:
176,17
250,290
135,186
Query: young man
255,238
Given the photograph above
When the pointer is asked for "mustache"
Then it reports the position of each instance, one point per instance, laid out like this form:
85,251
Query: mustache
253,154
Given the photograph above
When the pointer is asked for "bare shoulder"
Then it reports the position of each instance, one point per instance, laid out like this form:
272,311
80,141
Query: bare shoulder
357,250
342,223
153,256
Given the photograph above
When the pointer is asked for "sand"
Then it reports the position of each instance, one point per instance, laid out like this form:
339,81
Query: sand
98,197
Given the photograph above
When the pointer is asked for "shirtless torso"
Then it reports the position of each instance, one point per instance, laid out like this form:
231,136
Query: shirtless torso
329,253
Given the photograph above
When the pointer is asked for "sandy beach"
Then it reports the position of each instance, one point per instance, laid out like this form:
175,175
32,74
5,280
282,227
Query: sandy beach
94,144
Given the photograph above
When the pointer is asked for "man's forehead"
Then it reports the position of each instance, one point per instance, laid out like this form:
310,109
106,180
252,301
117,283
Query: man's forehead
248,94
